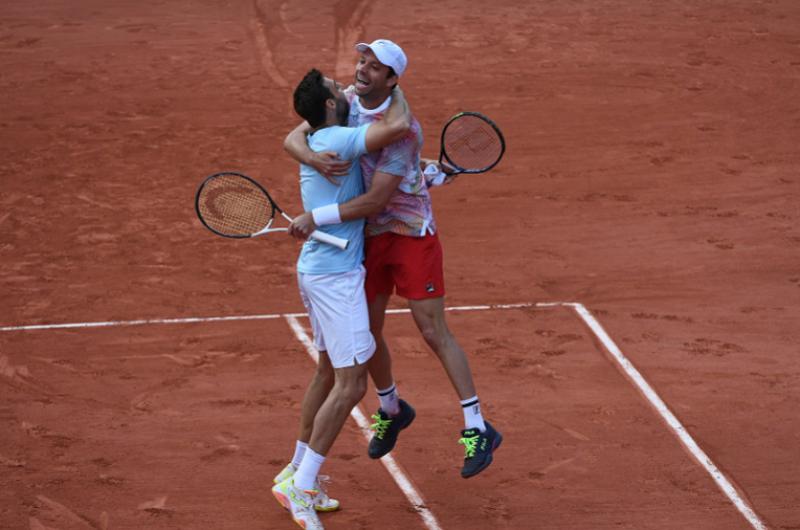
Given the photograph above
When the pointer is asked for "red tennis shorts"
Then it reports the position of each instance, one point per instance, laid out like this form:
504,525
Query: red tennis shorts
411,265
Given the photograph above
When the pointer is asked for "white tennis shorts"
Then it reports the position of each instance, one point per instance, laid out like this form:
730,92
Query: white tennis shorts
337,308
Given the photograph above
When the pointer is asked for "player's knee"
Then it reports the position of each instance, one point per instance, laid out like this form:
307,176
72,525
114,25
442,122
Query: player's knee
354,390
433,337
359,389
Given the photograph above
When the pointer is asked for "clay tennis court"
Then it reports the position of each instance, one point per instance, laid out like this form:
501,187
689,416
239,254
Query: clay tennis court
651,180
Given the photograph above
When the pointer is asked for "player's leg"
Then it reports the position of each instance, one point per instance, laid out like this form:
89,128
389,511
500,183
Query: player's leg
479,438
419,276
340,309
316,393
430,320
378,287
349,388
380,365
393,414
302,493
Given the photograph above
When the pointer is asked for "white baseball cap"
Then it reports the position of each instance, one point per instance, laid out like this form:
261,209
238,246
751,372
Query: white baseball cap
388,53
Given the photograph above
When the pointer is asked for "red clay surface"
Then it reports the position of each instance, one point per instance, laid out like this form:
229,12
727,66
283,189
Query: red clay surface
651,175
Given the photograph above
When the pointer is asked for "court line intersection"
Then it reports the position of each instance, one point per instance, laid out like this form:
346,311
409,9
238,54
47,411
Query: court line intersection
404,483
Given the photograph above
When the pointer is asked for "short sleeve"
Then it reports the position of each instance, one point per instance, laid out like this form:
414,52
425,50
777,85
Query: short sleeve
353,142
399,158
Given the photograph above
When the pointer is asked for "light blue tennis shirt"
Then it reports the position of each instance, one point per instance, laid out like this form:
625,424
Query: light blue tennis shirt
321,258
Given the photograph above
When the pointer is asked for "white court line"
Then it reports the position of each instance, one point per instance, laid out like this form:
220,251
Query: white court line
193,320
400,478
140,322
630,371
680,431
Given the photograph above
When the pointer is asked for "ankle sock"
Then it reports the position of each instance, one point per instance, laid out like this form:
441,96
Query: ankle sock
390,401
307,473
473,419
299,451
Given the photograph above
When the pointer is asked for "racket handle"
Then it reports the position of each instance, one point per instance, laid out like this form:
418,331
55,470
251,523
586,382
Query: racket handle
329,239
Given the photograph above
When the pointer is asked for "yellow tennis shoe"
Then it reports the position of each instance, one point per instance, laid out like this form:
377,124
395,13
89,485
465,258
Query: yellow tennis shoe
322,503
300,504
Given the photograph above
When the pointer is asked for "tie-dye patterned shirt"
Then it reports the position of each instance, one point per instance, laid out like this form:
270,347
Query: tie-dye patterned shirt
409,211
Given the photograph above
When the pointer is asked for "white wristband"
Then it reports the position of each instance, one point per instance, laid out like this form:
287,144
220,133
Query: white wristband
434,176
326,215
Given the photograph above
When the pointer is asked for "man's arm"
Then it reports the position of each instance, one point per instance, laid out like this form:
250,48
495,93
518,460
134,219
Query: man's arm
326,163
369,203
374,200
394,125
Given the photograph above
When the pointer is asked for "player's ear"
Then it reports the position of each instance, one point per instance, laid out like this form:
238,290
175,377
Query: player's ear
330,103
391,81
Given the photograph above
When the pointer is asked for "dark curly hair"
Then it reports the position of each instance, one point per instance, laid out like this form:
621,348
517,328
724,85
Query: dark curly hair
310,96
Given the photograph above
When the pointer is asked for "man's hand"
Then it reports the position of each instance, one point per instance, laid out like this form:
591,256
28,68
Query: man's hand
328,164
302,226
397,91
437,174
449,170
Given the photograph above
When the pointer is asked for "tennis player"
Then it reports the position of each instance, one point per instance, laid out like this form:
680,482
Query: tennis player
403,253
331,283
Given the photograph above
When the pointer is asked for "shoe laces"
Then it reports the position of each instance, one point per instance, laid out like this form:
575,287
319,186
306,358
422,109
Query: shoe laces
303,498
380,425
470,444
318,484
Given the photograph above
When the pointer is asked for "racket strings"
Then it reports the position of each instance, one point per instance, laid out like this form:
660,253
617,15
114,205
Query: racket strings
233,206
472,143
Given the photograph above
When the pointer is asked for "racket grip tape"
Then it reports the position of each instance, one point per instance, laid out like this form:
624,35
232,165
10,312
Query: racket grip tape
329,239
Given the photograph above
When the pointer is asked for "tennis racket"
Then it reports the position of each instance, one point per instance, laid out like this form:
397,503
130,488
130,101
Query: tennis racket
234,205
471,143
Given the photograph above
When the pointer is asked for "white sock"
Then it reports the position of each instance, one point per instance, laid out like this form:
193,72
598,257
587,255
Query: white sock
390,401
307,473
472,414
299,451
